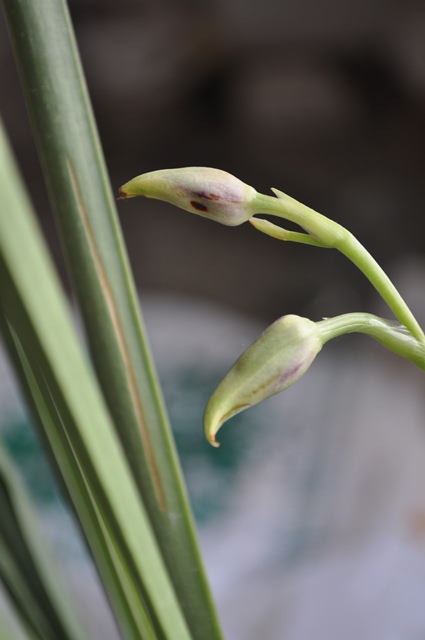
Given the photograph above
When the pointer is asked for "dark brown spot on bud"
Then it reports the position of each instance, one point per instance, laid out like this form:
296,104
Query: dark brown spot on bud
198,206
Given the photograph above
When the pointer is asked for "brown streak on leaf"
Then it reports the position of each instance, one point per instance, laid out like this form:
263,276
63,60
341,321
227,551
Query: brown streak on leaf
115,319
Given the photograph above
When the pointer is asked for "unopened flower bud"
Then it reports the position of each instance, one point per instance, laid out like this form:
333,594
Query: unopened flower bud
211,193
277,359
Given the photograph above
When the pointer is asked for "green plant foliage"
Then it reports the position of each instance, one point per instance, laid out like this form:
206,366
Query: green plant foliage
84,208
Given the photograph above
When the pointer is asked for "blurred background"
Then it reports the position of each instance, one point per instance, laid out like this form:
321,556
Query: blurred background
312,513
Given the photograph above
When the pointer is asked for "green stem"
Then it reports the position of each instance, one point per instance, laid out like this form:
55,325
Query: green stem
359,256
394,337
331,234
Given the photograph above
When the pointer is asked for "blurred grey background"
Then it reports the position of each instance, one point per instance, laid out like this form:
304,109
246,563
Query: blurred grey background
324,100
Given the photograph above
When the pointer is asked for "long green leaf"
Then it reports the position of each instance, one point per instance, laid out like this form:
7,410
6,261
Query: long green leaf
26,567
79,431
85,211
67,468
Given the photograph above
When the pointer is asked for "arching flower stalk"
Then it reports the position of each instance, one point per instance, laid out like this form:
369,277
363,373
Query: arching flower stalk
286,349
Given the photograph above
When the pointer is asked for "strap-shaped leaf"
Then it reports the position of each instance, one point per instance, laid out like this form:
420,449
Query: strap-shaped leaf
26,567
85,212
77,425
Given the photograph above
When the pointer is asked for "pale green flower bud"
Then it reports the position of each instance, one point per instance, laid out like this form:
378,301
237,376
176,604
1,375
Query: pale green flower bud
277,359
211,193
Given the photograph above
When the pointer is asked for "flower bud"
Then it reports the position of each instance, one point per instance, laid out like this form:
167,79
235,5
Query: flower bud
277,359
211,193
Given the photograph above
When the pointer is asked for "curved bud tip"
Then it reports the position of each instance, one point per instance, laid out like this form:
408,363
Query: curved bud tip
277,359
211,193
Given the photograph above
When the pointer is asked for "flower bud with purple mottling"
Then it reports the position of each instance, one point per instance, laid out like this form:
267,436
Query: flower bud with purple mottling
277,359
211,193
